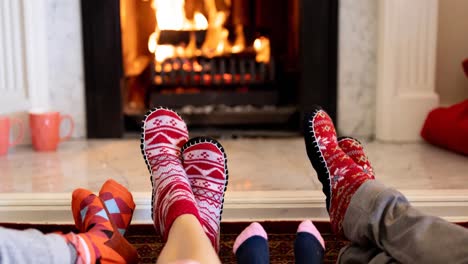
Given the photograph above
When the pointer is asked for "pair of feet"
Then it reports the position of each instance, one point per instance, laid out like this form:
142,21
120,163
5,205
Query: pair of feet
341,164
255,230
102,221
187,176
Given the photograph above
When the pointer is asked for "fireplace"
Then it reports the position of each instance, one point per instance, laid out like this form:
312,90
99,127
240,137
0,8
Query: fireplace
220,63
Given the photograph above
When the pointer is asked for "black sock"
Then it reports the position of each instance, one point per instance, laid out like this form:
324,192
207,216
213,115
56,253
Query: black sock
253,251
307,249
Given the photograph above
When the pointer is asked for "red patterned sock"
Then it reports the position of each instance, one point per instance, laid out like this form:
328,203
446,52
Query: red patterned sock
354,149
205,162
164,132
99,240
338,173
119,202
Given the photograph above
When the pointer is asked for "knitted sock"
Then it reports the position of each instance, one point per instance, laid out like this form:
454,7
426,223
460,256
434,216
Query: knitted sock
100,241
309,246
164,132
354,149
338,173
251,245
205,162
119,203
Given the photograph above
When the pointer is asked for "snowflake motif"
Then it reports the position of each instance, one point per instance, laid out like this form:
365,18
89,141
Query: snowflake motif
322,142
173,122
338,175
190,156
336,179
205,155
367,169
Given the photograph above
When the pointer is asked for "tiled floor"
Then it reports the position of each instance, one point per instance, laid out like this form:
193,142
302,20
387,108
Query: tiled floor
266,166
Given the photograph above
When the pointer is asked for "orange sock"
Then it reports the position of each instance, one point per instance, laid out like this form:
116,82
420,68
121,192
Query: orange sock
100,241
119,203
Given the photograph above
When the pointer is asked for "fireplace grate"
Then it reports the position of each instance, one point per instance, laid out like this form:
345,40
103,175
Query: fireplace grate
226,71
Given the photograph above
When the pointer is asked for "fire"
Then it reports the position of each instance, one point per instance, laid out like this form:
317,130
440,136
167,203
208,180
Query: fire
262,47
171,16
200,21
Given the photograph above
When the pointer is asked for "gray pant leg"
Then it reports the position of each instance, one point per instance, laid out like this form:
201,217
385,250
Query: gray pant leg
31,246
381,217
355,254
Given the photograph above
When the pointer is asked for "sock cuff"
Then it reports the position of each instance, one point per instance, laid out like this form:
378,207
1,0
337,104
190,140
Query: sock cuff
178,208
308,227
254,229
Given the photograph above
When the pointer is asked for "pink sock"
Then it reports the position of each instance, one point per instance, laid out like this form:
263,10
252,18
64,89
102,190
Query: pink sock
308,226
254,229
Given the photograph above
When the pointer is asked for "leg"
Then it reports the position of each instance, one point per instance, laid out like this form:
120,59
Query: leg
309,246
187,241
356,254
175,211
381,216
339,174
251,245
100,240
31,246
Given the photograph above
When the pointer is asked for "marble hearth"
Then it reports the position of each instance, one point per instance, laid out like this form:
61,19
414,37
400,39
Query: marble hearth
269,179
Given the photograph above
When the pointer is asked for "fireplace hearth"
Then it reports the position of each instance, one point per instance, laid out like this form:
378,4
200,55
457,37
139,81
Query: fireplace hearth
220,63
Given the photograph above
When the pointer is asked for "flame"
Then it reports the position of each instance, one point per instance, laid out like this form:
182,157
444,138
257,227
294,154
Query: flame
239,43
170,15
200,21
164,52
262,47
153,42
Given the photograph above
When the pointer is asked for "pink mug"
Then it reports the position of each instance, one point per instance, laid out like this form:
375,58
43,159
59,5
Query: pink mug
45,130
5,125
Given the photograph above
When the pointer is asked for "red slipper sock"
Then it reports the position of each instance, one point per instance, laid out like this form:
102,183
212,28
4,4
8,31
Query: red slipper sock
119,203
354,149
338,173
205,162
164,132
100,241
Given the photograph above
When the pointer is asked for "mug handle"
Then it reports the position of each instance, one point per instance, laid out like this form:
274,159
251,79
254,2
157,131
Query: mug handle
20,135
72,126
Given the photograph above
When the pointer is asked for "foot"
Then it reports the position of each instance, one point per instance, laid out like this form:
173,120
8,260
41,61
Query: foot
307,226
338,173
309,246
119,202
354,149
164,132
99,240
205,162
254,229
251,246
